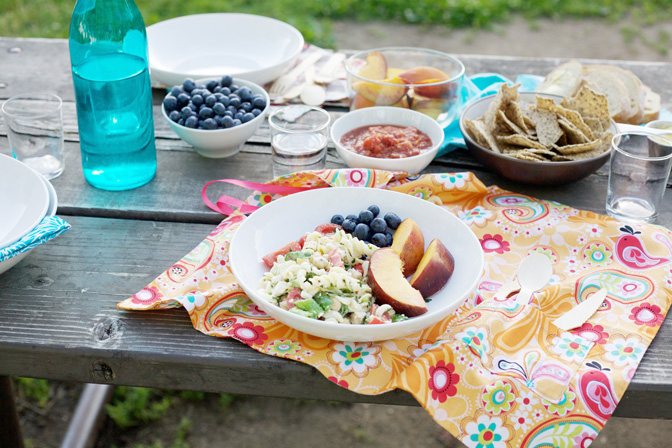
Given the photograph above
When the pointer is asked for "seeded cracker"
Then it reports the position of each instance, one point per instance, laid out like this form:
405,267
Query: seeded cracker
520,140
568,113
483,136
546,125
573,135
591,104
502,123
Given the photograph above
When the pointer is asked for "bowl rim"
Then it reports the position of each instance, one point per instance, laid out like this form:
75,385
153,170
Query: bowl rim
455,78
293,30
210,131
570,163
435,144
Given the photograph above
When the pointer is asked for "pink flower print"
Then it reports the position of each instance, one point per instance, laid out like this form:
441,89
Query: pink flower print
341,383
647,314
594,231
494,243
147,296
584,440
592,333
355,178
442,381
248,333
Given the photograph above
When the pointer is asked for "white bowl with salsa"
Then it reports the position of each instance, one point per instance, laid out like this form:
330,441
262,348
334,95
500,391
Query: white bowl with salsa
387,138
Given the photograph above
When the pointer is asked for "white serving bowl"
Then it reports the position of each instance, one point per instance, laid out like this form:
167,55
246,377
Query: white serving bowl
246,46
288,218
218,143
392,116
51,211
24,200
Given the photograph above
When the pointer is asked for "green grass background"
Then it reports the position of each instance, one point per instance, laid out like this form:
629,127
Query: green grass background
51,18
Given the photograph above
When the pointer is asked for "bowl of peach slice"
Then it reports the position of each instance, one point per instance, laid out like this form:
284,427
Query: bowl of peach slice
356,281
423,80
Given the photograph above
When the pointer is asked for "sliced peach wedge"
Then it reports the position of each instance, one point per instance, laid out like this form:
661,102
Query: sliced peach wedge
389,286
385,93
409,243
434,270
375,68
431,76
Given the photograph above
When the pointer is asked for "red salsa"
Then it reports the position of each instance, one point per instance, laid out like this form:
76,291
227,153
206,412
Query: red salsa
386,141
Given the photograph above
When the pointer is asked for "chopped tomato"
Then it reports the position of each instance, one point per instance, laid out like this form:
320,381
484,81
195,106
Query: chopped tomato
292,297
359,267
302,240
335,259
269,259
326,229
375,320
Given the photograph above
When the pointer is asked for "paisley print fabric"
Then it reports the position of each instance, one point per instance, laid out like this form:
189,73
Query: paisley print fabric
495,374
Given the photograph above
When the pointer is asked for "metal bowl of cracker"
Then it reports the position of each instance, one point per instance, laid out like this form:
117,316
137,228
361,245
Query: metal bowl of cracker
540,139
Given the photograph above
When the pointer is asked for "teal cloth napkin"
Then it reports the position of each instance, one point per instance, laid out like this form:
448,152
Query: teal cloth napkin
473,88
50,227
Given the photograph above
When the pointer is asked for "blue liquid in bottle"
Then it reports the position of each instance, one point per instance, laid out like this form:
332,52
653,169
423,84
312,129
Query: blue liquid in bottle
108,51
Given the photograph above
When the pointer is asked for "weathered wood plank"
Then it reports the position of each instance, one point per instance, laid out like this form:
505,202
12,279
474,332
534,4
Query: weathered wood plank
87,339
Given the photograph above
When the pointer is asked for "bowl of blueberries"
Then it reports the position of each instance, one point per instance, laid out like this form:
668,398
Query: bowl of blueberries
216,115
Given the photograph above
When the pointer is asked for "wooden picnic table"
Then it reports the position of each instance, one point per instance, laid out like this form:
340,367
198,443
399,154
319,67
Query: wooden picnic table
58,315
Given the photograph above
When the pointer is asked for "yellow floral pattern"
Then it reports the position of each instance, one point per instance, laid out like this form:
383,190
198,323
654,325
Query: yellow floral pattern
493,374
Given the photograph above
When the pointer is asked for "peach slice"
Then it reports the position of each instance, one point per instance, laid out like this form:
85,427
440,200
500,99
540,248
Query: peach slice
389,286
434,270
429,106
382,94
375,67
417,75
409,243
394,72
359,102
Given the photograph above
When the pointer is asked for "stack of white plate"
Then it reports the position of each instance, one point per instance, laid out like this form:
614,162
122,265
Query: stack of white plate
25,199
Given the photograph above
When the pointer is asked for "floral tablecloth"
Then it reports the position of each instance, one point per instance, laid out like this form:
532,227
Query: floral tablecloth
495,374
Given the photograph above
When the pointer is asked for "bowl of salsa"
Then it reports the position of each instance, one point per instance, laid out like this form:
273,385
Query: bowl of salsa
387,138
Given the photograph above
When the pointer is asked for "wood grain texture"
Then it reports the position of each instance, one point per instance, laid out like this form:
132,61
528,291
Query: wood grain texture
58,320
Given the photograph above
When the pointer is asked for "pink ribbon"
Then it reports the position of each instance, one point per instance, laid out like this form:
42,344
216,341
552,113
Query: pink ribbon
224,203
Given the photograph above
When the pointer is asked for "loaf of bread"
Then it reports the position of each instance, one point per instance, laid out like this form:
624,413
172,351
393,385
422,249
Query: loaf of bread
629,100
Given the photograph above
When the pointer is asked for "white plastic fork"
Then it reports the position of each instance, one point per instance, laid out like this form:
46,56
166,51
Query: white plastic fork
283,83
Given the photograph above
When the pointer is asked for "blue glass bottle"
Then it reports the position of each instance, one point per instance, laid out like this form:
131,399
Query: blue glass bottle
108,53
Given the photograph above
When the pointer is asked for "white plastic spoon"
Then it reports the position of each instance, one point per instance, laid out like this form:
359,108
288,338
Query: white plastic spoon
533,274
623,128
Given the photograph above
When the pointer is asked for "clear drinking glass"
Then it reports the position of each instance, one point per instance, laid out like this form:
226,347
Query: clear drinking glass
638,172
34,123
299,137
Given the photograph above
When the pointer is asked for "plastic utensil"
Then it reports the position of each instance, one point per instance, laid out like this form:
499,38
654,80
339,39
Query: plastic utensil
578,315
533,274
648,130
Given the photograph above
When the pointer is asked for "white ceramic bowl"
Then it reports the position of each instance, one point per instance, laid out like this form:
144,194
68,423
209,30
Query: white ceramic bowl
392,116
51,210
288,218
246,46
24,200
218,143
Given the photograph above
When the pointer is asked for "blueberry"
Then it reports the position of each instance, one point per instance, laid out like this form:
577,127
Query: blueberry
216,89
348,225
176,91
206,112
228,113
210,123
193,107
337,219
374,209
182,99
219,108
353,218
200,124
232,109
219,120
225,91
379,239
392,220
211,85
218,97
362,232
378,225
237,122
186,112
191,122
259,102
188,85
197,100
245,93
247,117
170,103
228,122
226,80
210,100
365,216
246,106
175,116
180,121
224,100
234,101
388,236
256,112
200,86
234,87
205,93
